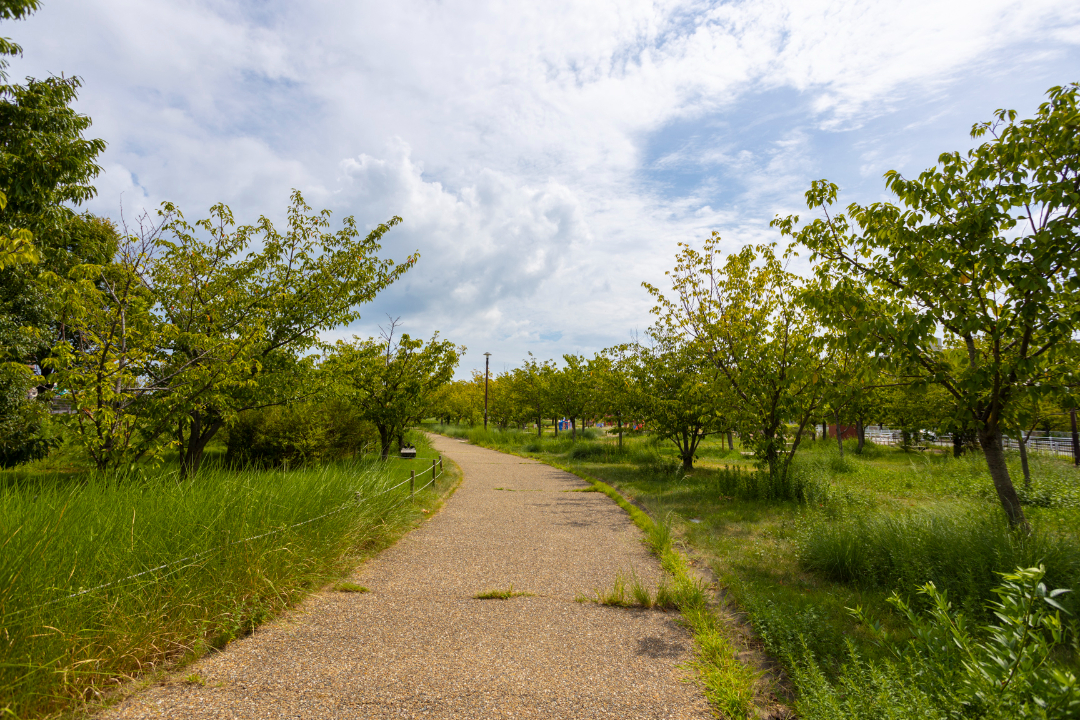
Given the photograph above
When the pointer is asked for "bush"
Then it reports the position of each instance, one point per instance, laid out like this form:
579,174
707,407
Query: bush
961,552
26,430
947,670
296,435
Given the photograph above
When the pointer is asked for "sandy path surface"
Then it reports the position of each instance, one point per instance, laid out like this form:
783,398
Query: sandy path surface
419,646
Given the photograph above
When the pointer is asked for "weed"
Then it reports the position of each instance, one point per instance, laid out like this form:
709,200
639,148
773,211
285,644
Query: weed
350,587
499,594
946,669
629,590
729,684
195,679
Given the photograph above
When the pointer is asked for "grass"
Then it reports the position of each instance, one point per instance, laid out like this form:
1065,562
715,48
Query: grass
500,594
851,531
628,590
350,587
104,579
960,549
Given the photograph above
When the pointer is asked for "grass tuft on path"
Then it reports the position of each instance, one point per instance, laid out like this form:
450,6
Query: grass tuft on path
501,594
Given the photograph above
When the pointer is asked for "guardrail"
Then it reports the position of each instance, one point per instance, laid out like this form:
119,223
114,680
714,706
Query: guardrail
1056,445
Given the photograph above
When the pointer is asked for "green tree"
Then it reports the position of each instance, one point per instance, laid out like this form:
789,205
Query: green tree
189,327
677,392
393,383
613,394
570,390
984,250
46,167
532,390
246,320
746,319
13,10
457,402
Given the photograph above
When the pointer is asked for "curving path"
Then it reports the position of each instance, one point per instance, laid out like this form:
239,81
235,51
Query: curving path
419,646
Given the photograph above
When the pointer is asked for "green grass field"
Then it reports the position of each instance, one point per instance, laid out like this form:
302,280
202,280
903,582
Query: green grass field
862,527
102,580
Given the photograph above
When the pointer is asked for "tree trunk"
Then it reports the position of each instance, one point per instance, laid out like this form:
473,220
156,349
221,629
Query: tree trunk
539,427
199,436
1075,438
730,441
555,422
573,428
839,435
824,430
957,444
618,418
990,441
1021,442
384,442
860,429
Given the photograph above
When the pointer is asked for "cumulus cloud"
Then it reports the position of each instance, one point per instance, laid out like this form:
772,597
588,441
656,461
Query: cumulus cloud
545,157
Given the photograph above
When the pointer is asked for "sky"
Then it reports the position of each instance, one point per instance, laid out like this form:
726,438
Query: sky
546,158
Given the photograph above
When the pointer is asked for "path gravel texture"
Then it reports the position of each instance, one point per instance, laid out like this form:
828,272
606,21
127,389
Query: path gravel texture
420,646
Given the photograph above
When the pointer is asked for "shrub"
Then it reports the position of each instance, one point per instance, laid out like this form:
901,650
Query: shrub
948,670
298,434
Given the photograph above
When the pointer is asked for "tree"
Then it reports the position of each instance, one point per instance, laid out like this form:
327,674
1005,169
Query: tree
456,402
261,313
746,319
613,390
569,389
189,327
46,168
677,392
13,10
532,391
983,249
393,382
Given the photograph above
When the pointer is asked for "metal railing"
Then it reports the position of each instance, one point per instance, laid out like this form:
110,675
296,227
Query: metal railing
1055,443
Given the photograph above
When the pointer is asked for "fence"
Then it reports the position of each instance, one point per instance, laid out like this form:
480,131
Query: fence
434,474
1055,443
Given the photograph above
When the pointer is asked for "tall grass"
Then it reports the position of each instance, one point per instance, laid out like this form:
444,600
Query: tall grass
962,551
211,558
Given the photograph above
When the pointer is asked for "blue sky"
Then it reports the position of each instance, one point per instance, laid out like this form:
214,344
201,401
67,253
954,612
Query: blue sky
546,157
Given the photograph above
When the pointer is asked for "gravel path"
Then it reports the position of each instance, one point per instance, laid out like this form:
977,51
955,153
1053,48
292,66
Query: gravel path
419,646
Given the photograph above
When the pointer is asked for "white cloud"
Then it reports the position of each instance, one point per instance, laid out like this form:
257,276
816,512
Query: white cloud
524,143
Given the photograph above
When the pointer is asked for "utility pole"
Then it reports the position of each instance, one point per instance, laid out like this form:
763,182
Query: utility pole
487,373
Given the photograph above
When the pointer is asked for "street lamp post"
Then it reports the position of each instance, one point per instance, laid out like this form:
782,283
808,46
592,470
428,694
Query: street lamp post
487,373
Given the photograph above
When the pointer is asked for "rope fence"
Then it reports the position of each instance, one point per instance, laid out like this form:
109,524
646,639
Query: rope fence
411,480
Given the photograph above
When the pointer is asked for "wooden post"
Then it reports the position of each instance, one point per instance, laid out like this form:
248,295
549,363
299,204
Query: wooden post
412,483
433,476
440,463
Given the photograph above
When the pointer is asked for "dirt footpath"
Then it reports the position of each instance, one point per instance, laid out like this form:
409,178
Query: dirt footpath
419,646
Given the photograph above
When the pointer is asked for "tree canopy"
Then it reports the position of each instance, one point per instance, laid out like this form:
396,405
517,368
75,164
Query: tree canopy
982,250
